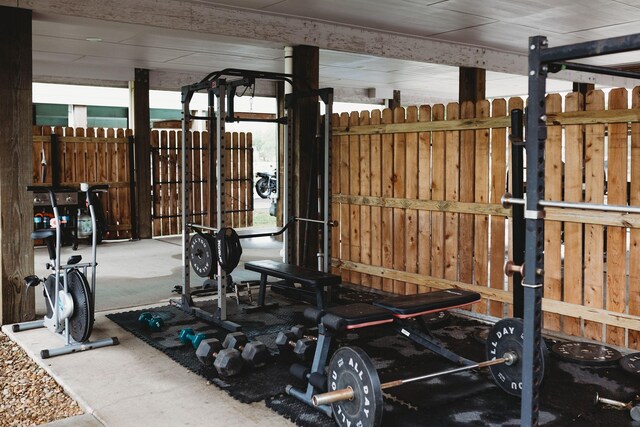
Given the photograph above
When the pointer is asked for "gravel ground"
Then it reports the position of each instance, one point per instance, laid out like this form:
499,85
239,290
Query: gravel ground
29,395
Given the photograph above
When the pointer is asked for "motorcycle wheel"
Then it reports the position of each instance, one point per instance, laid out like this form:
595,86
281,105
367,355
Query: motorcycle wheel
262,188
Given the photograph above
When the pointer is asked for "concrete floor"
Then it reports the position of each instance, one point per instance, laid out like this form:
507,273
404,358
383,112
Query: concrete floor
133,384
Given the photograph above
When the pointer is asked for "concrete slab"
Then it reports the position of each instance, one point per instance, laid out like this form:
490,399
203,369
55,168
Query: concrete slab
133,384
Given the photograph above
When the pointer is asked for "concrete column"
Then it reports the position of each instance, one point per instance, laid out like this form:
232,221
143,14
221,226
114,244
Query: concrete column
16,164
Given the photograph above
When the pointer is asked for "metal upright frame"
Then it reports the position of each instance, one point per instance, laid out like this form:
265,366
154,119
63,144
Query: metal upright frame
544,60
221,87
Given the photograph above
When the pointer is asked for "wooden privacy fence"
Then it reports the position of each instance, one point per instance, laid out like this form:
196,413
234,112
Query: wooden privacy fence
417,193
95,156
166,146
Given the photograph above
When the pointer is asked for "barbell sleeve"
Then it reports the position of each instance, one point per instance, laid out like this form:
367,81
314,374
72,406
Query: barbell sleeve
332,396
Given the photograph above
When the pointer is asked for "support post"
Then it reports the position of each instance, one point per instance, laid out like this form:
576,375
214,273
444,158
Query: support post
534,235
472,84
306,153
142,132
16,164
396,101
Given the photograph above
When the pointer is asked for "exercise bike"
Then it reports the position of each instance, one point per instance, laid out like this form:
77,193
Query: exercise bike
69,299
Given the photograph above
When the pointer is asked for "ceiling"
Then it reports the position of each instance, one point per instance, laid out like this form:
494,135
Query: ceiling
415,46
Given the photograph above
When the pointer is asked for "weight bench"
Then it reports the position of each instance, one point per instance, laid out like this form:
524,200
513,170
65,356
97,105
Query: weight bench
402,312
316,280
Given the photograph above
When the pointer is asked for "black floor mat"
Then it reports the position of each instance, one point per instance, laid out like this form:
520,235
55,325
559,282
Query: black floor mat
463,399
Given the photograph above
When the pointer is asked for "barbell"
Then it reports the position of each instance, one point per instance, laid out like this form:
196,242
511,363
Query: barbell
356,394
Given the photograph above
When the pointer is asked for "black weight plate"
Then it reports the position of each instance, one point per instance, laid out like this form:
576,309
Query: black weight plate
202,254
81,321
631,363
585,353
507,335
351,367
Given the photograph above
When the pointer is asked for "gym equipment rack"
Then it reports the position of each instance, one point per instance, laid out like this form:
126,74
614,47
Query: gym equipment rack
543,60
221,87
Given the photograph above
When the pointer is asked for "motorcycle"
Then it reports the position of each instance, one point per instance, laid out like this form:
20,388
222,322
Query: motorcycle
266,184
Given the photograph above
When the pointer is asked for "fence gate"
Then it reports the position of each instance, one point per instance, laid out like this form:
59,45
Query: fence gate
166,187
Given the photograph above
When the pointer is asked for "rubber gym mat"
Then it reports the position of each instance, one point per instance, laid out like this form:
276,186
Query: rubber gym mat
463,399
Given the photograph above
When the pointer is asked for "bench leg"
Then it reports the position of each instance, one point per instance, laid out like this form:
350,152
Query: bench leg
261,297
321,301
263,289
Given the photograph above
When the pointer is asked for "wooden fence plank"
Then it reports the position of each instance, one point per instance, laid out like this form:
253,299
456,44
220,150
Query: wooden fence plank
165,201
498,187
345,209
594,193
242,176
452,192
438,180
411,192
336,170
634,243
250,177
155,165
387,191
424,193
376,191
399,215
480,255
354,188
616,288
573,233
553,229
365,190
466,193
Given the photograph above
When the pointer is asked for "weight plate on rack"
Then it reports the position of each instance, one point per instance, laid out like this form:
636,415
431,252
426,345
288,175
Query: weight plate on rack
631,363
351,367
81,321
585,353
507,336
202,253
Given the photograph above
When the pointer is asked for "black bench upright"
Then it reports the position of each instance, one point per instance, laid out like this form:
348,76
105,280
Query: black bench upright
316,280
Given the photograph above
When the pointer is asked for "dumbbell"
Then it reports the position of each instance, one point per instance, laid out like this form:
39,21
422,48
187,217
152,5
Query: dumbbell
303,348
228,362
254,353
295,341
151,321
188,336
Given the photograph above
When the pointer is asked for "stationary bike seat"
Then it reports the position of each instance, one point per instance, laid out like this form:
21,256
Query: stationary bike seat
43,233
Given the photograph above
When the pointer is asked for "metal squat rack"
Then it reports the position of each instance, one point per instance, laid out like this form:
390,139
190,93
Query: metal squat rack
542,61
221,87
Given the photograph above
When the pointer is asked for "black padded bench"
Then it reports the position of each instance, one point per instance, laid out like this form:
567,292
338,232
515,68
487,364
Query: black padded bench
316,280
402,312
360,315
